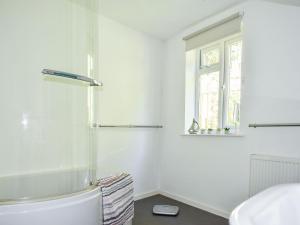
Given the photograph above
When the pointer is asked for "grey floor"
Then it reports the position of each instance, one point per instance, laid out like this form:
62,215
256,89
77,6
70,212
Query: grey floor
188,215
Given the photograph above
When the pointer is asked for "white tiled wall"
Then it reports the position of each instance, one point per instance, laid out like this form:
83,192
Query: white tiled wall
44,121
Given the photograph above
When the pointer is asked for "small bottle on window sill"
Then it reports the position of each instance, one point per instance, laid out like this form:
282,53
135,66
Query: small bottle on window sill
194,129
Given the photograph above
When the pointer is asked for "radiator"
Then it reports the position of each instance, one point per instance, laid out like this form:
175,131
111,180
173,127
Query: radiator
267,171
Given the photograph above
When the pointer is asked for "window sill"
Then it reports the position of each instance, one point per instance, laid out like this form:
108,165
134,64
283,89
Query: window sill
215,135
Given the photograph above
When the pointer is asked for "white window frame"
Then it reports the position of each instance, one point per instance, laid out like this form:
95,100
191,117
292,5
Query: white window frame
222,66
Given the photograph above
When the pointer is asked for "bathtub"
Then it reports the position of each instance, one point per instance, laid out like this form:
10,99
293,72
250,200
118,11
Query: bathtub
279,205
83,208
70,200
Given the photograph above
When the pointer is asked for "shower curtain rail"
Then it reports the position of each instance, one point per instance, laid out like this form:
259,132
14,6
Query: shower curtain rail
254,125
73,76
127,126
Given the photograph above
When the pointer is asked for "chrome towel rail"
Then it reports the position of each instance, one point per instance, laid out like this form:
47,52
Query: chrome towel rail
254,125
127,126
73,76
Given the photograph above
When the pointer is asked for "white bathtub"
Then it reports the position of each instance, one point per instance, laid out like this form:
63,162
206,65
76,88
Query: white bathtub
83,208
279,205
71,200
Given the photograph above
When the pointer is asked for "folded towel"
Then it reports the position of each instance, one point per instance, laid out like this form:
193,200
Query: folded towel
117,199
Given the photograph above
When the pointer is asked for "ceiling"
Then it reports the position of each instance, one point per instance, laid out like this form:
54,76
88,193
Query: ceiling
164,18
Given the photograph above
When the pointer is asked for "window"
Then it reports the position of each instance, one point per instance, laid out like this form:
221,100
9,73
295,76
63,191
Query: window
233,59
213,71
218,84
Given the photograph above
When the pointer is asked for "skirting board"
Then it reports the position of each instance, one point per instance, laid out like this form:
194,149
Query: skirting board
187,201
195,204
146,195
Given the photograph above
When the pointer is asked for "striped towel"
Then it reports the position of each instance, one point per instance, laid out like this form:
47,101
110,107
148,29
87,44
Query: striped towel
117,199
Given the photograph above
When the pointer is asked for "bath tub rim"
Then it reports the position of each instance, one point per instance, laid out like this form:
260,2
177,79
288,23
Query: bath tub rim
4,202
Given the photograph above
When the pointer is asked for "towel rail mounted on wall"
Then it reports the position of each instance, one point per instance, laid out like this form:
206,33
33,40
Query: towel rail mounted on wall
127,126
254,125
73,76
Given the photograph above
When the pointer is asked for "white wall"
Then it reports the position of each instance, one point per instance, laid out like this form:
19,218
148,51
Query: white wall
41,118
214,171
44,132
44,123
131,70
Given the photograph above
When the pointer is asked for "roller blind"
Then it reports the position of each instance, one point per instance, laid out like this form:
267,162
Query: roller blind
229,26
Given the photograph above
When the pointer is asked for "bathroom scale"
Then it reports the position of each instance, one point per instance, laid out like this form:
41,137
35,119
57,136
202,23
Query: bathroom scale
165,210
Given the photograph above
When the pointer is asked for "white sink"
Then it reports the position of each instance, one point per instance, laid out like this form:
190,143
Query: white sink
279,205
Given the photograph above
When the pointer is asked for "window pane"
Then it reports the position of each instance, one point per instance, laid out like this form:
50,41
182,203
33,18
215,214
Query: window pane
209,100
234,83
210,57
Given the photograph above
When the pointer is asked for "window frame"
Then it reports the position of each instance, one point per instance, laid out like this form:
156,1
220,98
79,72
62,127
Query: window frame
226,76
222,67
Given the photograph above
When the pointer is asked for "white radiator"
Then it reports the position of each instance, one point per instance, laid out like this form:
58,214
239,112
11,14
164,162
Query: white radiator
267,171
